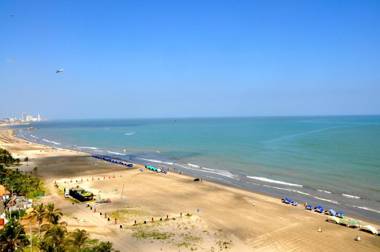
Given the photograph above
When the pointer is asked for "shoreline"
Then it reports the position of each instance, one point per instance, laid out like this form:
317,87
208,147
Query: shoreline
352,205
292,228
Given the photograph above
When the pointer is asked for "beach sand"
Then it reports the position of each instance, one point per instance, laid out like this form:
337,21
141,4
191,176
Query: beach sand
220,218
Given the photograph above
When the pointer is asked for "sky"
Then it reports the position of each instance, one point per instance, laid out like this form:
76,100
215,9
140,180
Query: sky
128,59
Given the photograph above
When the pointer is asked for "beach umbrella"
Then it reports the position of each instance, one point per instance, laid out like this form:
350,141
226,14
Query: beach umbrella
370,229
333,219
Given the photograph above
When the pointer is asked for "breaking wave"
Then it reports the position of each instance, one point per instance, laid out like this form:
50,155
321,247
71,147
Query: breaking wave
263,179
287,189
49,141
129,133
157,161
350,196
367,209
193,165
115,153
324,191
327,200
223,173
87,147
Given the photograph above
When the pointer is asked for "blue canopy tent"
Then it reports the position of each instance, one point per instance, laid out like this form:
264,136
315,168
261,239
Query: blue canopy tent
308,207
332,212
318,209
339,214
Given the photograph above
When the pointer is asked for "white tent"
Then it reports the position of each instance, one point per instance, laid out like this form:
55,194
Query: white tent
333,219
370,229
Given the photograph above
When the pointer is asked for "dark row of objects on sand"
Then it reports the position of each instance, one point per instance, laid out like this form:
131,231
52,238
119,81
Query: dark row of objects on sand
113,160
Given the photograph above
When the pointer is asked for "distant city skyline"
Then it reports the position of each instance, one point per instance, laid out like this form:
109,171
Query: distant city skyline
160,59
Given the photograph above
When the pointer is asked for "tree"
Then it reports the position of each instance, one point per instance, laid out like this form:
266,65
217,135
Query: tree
38,214
52,214
103,247
78,239
54,239
55,230
13,237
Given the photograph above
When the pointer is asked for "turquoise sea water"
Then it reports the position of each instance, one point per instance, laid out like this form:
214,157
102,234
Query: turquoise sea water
332,160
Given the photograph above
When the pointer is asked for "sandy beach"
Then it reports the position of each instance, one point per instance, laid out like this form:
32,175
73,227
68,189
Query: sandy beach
201,216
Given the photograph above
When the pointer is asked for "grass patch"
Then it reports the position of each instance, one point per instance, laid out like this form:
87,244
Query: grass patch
224,244
151,234
188,241
129,212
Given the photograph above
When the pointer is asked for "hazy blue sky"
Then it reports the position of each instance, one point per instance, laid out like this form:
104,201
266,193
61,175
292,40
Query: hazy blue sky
189,58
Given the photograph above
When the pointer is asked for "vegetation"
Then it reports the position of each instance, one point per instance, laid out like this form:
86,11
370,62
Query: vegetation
16,181
6,158
13,237
52,231
21,184
54,237
38,214
152,234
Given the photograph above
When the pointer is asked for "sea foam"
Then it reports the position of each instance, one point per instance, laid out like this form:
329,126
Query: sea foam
129,133
50,141
115,153
157,161
263,179
350,196
87,147
324,191
223,173
193,165
327,200
196,167
287,189
368,209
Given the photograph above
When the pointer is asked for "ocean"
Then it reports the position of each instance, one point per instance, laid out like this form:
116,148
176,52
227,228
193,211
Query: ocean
333,161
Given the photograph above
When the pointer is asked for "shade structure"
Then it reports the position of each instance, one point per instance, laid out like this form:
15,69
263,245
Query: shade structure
340,214
333,219
318,209
370,229
354,223
308,207
344,221
332,212
350,222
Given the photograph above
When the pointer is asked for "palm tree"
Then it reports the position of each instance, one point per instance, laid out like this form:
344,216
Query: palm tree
55,230
78,239
54,238
52,214
103,247
38,214
13,236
